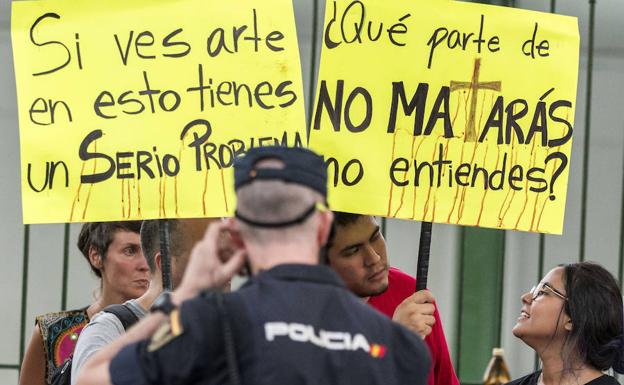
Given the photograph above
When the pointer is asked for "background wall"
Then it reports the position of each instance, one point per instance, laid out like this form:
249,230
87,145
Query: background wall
512,259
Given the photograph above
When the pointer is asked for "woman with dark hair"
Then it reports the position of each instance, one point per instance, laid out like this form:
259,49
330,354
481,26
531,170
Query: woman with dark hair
113,251
573,320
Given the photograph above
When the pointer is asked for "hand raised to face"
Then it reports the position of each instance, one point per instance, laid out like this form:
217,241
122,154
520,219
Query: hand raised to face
211,265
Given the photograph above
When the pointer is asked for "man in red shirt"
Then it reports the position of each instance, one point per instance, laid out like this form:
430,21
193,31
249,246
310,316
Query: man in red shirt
357,252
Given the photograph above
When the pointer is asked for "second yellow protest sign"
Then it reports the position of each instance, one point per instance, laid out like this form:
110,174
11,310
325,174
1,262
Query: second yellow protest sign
447,112
136,109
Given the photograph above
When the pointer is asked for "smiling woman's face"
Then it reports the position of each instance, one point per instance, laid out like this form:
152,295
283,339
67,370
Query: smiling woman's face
542,319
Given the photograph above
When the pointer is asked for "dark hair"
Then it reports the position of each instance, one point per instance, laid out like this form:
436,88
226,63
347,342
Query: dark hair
99,235
595,307
150,240
343,219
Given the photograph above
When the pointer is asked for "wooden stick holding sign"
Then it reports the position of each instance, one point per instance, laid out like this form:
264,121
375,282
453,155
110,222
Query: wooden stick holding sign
165,257
424,246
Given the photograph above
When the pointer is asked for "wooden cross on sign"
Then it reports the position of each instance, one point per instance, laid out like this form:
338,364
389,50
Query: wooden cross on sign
474,86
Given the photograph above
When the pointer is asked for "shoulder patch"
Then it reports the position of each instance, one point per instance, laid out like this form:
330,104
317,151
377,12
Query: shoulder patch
167,332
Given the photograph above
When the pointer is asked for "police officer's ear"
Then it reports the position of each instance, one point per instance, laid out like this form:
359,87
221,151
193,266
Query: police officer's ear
326,219
324,253
238,243
235,235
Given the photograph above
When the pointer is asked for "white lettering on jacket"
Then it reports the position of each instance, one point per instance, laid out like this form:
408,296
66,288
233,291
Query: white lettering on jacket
331,340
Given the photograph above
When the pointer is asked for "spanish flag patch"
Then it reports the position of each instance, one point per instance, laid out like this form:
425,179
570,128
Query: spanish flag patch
377,351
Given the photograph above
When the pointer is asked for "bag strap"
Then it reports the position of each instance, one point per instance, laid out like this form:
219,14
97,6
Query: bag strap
123,313
228,337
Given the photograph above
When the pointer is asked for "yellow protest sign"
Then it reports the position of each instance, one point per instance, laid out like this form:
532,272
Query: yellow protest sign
136,109
447,112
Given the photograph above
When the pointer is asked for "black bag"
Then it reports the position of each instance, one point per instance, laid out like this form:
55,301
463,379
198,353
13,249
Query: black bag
123,313
62,374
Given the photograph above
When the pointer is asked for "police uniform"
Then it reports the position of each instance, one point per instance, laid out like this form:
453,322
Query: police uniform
292,324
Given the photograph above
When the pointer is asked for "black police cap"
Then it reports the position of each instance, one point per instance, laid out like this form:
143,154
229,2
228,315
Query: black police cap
301,166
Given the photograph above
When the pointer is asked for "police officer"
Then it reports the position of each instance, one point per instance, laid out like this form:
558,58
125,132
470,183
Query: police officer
293,322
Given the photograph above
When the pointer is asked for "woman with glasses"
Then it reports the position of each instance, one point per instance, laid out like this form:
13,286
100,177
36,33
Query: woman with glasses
573,320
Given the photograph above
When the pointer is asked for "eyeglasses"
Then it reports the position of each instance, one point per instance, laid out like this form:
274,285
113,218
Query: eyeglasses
544,288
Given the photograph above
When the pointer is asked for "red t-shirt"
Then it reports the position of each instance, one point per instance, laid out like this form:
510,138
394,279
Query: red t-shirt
401,286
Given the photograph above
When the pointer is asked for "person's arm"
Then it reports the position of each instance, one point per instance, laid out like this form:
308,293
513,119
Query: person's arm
95,370
205,270
34,363
443,371
98,334
412,356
